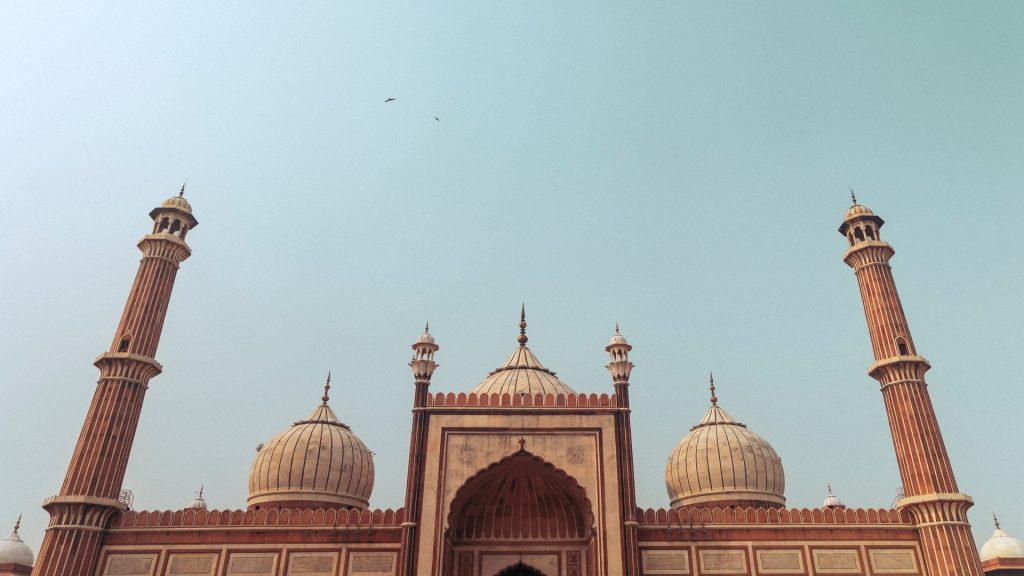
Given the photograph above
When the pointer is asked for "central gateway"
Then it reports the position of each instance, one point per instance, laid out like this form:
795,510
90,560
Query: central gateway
521,475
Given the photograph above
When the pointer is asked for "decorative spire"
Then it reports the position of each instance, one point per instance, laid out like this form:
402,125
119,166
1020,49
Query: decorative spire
327,390
522,326
829,486
714,399
201,486
994,519
181,193
853,197
616,326
426,329
17,523
522,444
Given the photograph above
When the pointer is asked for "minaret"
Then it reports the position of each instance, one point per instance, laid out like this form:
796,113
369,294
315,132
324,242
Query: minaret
931,494
423,367
92,486
620,367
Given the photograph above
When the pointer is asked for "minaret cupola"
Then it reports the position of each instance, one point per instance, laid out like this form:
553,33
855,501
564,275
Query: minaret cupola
860,224
174,216
422,363
618,357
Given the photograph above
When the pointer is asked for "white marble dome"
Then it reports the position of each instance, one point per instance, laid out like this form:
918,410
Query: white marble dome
14,551
1001,545
317,462
721,462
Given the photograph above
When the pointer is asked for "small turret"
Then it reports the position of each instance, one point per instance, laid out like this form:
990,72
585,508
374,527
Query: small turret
422,362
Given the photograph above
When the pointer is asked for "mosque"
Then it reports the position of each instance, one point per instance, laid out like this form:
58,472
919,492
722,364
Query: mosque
519,476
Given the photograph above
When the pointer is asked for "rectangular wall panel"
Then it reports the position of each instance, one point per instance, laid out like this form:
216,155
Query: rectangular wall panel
665,561
130,565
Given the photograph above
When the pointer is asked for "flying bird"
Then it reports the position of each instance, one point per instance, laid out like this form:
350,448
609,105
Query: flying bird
436,118
390,100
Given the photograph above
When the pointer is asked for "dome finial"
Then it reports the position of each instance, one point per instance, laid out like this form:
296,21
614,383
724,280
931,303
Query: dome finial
616,326
853,197
327,389
181,193
994,519
522,326
201,486
426,329
714,399
17,523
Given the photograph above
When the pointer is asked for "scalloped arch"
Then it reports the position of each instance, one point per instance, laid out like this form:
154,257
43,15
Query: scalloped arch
520,497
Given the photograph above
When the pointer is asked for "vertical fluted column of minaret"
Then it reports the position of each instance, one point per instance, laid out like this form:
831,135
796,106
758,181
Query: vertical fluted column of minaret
423,367
620,367
89,495
932,497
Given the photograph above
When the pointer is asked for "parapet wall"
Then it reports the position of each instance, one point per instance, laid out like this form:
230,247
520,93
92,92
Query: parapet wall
803,516
472,400
307,517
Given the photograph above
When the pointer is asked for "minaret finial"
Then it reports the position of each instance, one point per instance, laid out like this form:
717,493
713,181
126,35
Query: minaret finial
427,327
522,326
182,191
17,523
829,486
714,399
616,326
853,197
201,486
327,389
994,519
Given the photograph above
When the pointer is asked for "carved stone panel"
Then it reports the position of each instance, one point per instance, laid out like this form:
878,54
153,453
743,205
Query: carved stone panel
780,561
665,561
130,565
192,564
254,564
312,563
375,563
896,561
723,562
836,561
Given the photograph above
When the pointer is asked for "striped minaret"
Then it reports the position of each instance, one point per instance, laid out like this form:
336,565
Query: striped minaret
931,495
92,486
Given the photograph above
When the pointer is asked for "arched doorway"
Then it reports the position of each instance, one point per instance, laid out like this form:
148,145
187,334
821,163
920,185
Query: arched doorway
520,515
520,569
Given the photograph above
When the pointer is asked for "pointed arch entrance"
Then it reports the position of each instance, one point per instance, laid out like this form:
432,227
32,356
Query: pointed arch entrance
520,515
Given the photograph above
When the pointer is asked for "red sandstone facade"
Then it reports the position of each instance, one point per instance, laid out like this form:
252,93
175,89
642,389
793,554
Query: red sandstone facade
539,481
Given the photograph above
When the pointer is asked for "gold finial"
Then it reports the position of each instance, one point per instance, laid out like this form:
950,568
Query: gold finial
714,399
327,389
994,519
522,326
853,197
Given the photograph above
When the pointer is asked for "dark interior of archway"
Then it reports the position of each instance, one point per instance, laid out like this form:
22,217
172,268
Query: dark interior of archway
520,569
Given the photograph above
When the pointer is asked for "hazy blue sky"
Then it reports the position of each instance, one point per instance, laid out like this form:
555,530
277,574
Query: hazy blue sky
678,167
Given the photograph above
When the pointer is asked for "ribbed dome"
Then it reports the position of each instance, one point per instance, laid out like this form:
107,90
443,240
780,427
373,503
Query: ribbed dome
316,462
14,551
522,372
858,210
178,202
1001,545
722,462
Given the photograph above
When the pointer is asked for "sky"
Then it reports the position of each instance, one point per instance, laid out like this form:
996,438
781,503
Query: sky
678,167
